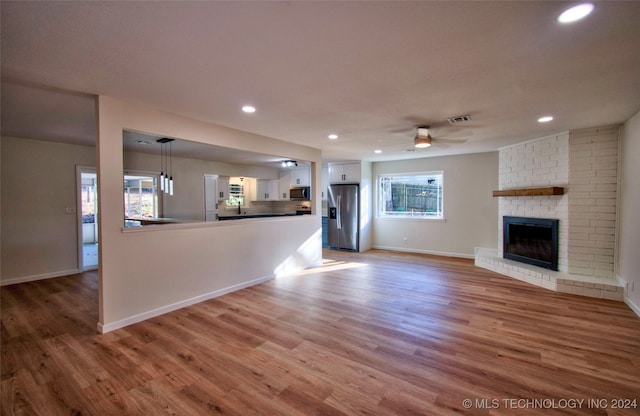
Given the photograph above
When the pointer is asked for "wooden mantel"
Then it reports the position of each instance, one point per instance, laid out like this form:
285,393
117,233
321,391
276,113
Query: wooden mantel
549,190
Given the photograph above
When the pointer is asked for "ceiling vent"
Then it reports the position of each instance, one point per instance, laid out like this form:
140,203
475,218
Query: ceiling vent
458,119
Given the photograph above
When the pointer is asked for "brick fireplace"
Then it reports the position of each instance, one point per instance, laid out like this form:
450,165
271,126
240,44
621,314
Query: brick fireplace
584,163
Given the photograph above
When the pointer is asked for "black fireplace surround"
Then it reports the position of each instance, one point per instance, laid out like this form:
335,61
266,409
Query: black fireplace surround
531,240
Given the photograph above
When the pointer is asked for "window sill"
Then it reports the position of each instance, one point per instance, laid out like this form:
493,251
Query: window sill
410,218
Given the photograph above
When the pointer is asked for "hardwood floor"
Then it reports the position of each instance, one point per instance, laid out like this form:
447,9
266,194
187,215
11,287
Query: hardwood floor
376,333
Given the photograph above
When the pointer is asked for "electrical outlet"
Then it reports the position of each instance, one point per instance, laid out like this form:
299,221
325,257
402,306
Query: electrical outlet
404,240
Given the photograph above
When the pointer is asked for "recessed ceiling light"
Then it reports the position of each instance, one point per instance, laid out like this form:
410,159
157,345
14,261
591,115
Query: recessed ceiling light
576,13
545,119
333,136
377,151
249,109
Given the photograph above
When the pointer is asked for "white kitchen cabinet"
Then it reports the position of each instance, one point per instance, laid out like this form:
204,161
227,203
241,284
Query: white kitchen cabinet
325,181
300,176
267,190
284,185
223,188
344,173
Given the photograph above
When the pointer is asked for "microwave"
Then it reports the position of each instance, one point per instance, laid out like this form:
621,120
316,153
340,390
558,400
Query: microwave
302,193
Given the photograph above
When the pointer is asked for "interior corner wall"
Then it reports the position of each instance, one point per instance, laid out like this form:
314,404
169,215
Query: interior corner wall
39,238
628,260
144,273
470,210
366,206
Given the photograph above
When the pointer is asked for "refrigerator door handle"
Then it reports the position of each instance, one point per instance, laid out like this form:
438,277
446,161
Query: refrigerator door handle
339,213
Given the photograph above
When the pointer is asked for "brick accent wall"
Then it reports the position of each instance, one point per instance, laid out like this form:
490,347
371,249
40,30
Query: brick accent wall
543,162
593,176
585,163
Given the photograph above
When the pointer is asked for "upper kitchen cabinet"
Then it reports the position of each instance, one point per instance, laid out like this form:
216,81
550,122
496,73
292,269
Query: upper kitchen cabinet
284,185
344,173
301,176
267,190
325,181
297,176
223,188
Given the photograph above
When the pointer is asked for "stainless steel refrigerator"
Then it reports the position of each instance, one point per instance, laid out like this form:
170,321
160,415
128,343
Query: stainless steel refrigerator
344,217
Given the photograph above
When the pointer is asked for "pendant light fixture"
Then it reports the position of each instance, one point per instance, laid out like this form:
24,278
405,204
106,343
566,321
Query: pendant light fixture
161,166
166,165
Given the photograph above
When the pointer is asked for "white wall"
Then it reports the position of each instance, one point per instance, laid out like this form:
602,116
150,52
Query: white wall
367,185
628,261
143,272
39,239
470,211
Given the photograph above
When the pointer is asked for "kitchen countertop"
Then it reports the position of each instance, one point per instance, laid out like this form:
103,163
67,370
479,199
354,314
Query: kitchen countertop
244,216
152,221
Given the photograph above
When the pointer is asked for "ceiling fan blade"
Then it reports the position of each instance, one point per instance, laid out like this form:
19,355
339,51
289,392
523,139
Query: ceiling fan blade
446,134
449,141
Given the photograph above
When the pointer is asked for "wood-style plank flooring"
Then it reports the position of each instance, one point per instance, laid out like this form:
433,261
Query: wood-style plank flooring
376,333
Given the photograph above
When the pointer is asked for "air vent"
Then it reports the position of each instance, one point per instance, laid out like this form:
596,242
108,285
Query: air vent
458,119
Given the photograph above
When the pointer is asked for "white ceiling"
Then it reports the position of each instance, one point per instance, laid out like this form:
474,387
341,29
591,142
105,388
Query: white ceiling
368,71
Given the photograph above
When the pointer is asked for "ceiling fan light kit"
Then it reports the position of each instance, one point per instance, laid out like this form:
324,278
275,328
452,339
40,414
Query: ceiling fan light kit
423,138
422,142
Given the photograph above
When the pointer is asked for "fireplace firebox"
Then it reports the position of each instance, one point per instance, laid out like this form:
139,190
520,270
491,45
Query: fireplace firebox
531,240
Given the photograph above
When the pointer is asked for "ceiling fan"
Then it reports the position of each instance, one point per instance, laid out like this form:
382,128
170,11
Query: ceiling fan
450,133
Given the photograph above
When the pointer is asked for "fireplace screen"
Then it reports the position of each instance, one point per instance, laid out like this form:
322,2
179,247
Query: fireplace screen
531,240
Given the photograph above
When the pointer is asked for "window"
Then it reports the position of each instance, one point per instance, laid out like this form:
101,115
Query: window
236,193
140,196
412,195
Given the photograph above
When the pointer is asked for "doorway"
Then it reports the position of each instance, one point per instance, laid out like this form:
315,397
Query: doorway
87,218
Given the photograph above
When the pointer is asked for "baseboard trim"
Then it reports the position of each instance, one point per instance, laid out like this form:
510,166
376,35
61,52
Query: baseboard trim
435,253
631,304
112,326
43,276
635,308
